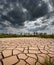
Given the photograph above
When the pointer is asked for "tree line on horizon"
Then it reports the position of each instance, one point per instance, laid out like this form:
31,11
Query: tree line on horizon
35,34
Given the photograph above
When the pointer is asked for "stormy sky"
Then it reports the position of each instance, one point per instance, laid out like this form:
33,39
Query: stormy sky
26,16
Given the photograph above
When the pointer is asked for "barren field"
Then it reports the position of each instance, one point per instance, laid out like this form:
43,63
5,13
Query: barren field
25,50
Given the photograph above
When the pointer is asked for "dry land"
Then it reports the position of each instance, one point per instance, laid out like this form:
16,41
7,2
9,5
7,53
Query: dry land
25,50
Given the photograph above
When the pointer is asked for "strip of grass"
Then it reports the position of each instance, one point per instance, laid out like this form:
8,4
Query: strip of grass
27,35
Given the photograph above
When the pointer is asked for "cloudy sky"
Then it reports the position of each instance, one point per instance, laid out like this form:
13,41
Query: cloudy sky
25,16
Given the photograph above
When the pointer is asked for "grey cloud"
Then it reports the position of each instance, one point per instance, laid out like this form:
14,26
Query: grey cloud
17,12
19,17
35,10
39,28
52,23
15,16
36,24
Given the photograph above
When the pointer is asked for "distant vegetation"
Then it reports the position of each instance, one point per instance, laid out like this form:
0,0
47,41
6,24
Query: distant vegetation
42,35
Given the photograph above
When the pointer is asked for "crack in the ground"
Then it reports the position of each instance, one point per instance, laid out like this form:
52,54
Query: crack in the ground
46,49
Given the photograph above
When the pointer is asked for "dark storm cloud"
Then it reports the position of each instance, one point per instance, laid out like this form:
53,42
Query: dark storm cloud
16,19
17,16
37,8
25,15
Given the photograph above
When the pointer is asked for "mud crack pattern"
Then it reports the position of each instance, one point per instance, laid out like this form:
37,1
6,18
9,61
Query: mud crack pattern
25,51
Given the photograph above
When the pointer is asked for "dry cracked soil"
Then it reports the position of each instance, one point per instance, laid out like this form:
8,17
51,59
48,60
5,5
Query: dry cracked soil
25,51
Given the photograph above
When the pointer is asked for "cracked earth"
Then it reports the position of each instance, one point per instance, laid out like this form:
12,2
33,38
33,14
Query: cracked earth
25,51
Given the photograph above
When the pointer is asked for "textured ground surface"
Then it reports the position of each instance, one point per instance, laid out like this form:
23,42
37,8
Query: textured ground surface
25,51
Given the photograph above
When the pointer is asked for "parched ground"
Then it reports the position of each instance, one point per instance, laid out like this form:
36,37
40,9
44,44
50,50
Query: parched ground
25,51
